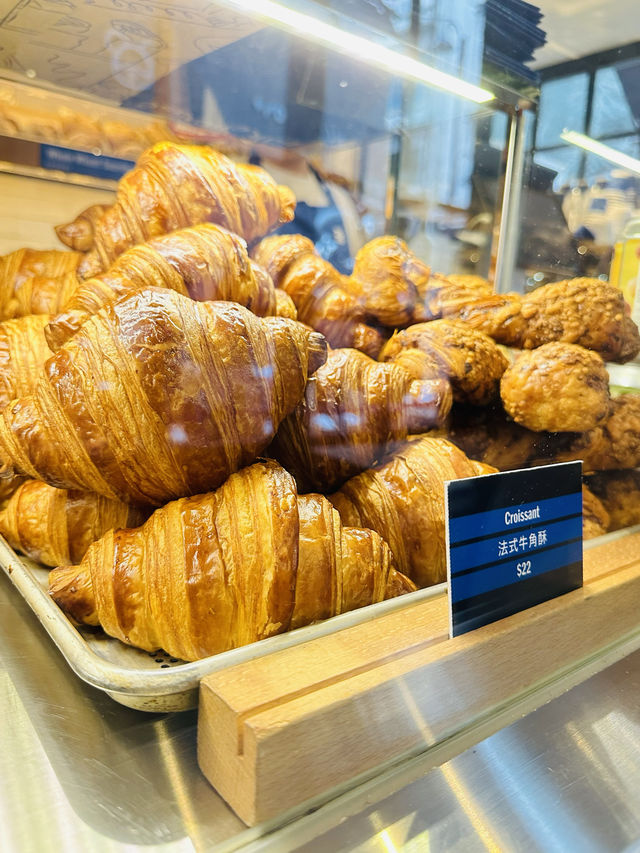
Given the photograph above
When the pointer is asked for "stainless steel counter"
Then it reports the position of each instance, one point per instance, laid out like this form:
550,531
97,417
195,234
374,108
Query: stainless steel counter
79,772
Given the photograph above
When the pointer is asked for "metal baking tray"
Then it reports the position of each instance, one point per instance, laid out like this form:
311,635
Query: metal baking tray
158,682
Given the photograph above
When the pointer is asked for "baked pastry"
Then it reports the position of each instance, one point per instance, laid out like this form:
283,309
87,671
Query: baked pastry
213,572
158,396
557,387
619,492
403,499
613,444
595,518
386,279
318,291
78,234
205,262
471,361
354,411
30,281
56,526
23,352
173,186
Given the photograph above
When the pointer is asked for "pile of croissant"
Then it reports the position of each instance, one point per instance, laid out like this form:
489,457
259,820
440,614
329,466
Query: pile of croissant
213,436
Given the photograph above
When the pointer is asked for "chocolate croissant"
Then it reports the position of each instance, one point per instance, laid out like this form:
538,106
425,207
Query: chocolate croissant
158,396
173,186
354,411
205,262
213,572
36,282
403,499
55,526
23,352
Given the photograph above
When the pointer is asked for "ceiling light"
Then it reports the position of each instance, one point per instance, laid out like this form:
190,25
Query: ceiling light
604,151
356,47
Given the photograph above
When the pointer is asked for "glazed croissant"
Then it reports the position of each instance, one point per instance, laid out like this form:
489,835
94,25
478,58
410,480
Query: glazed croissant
173,186
78,234
158,396
55,526
23,352
386,280
318,291
403,499
354,411
217,571
205,262
471,361
35,282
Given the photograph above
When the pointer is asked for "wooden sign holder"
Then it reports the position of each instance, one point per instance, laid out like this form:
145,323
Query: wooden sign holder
283,730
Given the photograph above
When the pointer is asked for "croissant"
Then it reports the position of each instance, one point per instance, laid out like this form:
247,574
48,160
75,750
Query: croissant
354,411
55,526
403,499
8,484
78,234
217,571
619,492
595,518
386,280
23,352
318,292
557,387
20,294
173,186
158,396
205,262
471,361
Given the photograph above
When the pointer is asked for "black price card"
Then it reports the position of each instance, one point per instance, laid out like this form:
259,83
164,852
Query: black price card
513,540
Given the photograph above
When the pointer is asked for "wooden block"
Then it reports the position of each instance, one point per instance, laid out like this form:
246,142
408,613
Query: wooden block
279,731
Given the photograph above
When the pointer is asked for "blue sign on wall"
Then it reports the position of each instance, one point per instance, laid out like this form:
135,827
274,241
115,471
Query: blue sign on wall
83,162
513,540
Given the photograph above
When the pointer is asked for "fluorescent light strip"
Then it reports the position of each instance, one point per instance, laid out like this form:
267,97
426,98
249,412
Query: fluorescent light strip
356,47
601,150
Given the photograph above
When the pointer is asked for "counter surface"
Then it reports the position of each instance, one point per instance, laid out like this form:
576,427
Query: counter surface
78,772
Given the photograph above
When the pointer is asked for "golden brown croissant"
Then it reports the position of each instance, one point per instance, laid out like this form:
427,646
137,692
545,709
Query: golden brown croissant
403,499
78,234
173,186
56,526
23,352
30,281
595,518
354,411
471,361
217,571
318,292
205,262
158,396
557,387
619,492
386,280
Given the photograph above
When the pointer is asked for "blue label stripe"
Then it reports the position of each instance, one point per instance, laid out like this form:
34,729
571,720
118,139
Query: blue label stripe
489,551
506,573
493,521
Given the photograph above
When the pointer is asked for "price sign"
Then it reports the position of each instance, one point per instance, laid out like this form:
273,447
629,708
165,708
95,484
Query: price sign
513,540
